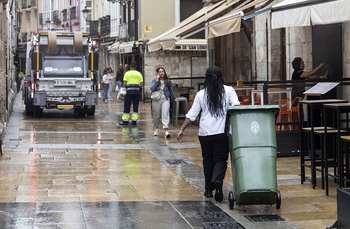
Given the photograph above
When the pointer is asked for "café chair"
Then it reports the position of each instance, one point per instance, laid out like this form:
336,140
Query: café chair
284,115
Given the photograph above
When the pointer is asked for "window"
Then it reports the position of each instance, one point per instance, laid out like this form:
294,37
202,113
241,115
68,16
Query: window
85,24
115,17
47,9
102,8
58,4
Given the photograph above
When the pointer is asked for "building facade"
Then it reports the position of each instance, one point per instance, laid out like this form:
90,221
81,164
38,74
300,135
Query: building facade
8,46
142,21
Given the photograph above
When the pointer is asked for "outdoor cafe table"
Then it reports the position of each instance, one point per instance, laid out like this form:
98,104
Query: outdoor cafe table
313,105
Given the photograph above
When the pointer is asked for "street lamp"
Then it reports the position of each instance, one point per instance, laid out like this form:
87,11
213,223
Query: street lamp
85,13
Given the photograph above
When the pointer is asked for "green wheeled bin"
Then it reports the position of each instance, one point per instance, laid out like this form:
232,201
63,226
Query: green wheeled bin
252,137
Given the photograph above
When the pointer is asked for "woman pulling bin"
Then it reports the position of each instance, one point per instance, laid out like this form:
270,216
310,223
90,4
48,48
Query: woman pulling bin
213,101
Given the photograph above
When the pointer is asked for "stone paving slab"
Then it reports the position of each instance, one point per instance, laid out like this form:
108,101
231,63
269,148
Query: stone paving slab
134,178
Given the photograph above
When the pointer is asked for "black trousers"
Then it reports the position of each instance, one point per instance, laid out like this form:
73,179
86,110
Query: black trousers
215,149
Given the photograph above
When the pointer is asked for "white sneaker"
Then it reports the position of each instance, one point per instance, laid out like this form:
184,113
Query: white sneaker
156,132
167,134
110,99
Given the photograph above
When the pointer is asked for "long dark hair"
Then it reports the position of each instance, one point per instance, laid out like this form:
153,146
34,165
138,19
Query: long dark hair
166,79
214,88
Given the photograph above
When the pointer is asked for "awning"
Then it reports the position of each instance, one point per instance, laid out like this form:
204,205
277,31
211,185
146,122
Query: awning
229,23
114,48
226,26
107,43
290,13
189,24
126,47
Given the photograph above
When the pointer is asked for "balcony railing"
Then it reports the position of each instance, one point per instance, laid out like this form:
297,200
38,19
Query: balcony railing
32,3
73,13
41,22
24,4
131,29
64,15
94,28
56,16
127,31
105,25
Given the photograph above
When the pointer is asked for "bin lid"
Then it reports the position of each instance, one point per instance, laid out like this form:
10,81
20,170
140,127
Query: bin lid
253,107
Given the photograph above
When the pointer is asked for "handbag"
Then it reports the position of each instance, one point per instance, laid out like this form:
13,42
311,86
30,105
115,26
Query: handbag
157,94
121,94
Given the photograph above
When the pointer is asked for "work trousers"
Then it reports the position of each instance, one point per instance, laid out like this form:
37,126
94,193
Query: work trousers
135,98
215,150
161,110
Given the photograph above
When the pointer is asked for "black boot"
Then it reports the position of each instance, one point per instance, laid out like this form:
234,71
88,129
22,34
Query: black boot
208,192
218,191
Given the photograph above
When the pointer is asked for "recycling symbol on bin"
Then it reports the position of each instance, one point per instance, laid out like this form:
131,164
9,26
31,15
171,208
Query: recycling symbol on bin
255,127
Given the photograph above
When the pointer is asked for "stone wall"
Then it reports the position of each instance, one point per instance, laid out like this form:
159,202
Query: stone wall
346,58
176,64
299,45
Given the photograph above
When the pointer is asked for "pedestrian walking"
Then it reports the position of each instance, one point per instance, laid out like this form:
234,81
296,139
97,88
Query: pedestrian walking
212,102
133,81
119,76
105,82
161,106
110,80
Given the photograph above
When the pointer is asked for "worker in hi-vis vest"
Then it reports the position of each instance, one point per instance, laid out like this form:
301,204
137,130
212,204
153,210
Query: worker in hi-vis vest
133,81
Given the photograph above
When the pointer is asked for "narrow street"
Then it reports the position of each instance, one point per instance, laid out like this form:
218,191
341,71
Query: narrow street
66,171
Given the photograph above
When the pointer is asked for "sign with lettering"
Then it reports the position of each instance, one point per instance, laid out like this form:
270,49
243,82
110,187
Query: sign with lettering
148,29
191,47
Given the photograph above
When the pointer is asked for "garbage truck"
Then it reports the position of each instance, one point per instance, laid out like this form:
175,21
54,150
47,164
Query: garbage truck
61,73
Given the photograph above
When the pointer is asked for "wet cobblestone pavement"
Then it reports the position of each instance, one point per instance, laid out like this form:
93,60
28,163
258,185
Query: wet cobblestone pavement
66,171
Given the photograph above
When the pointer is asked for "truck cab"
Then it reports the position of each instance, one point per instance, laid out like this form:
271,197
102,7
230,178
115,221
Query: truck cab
62,74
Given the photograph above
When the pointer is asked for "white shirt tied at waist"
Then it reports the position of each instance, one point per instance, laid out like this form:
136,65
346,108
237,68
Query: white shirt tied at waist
208,124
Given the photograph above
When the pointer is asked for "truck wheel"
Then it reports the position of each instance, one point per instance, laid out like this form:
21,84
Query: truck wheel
81,112
91,111
29,109
38,112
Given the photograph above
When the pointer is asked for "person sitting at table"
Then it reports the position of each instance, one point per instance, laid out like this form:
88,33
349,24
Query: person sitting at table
299,74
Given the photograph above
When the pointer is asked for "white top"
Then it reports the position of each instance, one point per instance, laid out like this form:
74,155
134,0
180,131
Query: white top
208,124
110,78
105,79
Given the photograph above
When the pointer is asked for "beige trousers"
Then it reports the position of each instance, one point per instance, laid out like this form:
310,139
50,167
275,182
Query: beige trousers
161,111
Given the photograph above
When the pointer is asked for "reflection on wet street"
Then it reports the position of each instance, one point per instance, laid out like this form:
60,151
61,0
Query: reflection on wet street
66,171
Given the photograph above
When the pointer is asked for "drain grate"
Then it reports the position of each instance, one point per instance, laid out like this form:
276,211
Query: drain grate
176,162
223,226
263,218
104,140
211,215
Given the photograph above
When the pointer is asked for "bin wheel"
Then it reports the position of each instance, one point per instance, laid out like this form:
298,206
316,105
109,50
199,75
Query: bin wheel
231,200
278,200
